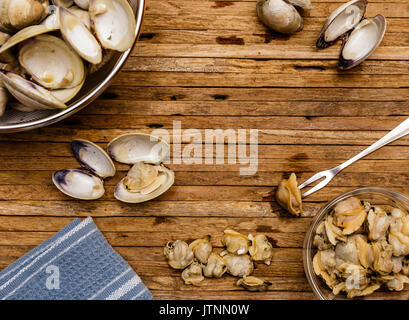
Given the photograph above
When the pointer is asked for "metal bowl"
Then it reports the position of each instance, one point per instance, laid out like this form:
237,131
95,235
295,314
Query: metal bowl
15,121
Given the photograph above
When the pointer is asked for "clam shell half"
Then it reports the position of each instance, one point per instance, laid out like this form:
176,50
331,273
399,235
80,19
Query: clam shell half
79,184
135,147
341,21
164,181
362,42
93,158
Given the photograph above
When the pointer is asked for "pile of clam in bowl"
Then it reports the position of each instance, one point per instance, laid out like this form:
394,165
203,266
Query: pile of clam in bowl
146,180
48,49
198,260
361,36
362,247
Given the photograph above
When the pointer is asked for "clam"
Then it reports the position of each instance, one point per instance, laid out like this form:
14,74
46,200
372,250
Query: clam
114,23
362,42
215,267
202,248
280,16
136,147
378,223
67,94
349,214
261,249
303,4
93,158
239,266
251,283
289,196
178,254
79,37
333,232
29,93
51,63
235,242
341,21
193,274
18,14
79,184
321,240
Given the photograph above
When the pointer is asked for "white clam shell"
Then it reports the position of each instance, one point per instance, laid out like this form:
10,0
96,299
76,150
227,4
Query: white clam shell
341,21
165,180
135,147
79,184
114,23
93,158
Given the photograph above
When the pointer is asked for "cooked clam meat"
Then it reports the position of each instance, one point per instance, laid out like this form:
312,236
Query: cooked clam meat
238,266
202,248
289,196
371,253
179,254
261,249
251,283
193,274
215,267
235,242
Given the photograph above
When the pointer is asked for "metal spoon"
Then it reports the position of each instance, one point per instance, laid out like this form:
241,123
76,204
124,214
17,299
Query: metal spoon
397,133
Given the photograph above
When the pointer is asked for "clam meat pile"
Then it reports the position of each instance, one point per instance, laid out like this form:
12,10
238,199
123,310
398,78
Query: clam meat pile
362,247
198,259
48,49
147,178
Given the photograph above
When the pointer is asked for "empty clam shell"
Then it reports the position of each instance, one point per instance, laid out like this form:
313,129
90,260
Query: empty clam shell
67,94
135,147
280,16
51,63
93,158
362,42
79,37
341,21
79,184
162,183
114,23
29,93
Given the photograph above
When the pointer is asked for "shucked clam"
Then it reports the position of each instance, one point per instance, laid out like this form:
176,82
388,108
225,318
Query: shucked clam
146,180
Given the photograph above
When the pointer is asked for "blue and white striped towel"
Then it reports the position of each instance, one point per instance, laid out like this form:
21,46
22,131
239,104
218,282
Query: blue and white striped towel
77,263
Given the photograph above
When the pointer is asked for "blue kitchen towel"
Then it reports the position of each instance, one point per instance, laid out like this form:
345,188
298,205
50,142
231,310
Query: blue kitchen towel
77,263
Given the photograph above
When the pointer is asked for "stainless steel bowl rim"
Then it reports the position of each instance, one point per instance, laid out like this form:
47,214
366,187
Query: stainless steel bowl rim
307,245
91,96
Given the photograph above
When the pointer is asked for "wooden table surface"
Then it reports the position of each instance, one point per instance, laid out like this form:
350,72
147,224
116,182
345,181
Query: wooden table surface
213,65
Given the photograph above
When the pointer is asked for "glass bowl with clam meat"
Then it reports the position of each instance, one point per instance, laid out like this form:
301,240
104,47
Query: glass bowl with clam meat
57,56
357,246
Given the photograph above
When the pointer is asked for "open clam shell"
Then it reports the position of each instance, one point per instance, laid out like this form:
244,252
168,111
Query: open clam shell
67,94
79,37
79,184
93,158
362,42
135,147
114,23
163,182
29,93
51,63
341,21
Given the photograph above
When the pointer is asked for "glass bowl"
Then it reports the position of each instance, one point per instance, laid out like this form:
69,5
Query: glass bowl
373,195
14,121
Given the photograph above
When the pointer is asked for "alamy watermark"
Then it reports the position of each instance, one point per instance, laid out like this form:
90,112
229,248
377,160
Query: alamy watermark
212,146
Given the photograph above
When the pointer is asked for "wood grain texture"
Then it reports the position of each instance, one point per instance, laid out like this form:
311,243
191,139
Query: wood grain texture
212,65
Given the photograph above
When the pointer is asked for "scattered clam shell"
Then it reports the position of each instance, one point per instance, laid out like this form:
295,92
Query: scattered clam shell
341,21
280,16
79,184
114,23
93,158
362,42
136,147
79,37
51,63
